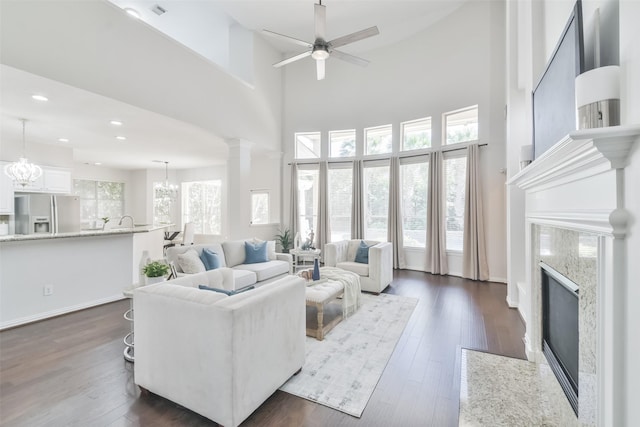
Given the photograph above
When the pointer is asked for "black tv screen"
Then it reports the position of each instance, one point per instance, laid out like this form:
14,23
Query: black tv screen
554,105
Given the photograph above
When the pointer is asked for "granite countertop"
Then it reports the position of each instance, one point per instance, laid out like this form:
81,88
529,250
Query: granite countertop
84,233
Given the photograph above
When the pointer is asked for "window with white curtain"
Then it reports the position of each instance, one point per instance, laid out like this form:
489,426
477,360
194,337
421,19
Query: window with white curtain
340,197
416,134
308,145
377,140
342,143
455,167
307,201
461,125
414,179
202,205
376,201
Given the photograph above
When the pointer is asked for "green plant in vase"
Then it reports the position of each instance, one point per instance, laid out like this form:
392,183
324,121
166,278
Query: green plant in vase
155,271
284,239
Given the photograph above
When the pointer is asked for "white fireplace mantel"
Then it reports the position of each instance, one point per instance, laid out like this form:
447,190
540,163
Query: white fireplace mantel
579,184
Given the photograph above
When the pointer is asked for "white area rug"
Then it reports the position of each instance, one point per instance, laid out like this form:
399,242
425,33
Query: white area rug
342,371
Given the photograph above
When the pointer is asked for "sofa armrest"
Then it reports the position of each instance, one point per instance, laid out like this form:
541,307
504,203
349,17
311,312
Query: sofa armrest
335,252
286,257
381,264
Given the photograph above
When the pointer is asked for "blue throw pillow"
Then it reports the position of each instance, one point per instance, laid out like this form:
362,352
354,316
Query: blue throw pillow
255,252
362,255
210,259
224,291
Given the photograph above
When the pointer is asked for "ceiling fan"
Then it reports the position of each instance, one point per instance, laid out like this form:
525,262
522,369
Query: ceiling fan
321,49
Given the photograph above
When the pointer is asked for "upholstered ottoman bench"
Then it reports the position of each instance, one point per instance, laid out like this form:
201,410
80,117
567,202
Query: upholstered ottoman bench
318,295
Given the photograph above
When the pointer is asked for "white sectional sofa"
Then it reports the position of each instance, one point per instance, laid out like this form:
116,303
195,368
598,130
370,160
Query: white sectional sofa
374,276
232,255
220,356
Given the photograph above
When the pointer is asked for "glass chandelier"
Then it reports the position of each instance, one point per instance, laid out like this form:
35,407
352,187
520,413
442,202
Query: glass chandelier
166,191
22,171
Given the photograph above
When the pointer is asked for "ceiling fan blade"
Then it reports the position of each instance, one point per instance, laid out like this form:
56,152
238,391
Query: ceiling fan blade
349,58
320,13
287,38
320,68
354,37
292,59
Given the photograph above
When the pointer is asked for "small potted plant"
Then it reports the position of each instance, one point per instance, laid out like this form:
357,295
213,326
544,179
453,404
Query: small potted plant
284,238
155,271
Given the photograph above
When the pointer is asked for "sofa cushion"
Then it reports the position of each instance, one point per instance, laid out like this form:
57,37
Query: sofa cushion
234,252
242,278
255,252
271,248
173,252
362,254
210,259
190,262
265,270
353,246
355,267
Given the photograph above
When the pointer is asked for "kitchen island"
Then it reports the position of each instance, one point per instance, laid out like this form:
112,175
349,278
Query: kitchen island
45,275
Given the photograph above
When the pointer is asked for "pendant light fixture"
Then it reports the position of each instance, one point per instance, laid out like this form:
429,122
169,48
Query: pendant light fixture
23,172
166,191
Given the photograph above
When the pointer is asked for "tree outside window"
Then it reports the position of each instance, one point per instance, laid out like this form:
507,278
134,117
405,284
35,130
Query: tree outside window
455,173
461,125
202,205
378,140
415,184
259,207
340,197
99,199
416,134
376,190
307,201
342,143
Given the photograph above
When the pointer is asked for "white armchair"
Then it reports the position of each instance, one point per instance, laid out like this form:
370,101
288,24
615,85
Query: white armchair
376,275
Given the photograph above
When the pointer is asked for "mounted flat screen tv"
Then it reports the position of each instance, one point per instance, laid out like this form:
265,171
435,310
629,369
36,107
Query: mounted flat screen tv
554,104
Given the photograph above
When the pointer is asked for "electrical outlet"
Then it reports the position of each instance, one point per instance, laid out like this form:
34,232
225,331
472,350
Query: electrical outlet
47,290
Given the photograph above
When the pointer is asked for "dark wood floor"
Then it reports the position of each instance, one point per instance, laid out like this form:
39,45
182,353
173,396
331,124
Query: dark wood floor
70,370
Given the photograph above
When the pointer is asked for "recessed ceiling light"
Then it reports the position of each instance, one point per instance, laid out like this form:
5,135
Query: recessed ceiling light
40,98
97,163
121,138
132,12
116,122
63,140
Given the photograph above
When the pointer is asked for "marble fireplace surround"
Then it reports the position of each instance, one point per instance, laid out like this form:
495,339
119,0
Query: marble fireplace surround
574,204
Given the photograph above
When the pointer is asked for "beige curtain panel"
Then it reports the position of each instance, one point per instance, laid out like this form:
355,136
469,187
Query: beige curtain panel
357,214
323,231
474,256
436,232
293,220
395,232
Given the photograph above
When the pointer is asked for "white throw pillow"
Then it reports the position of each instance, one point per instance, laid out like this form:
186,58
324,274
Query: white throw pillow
191,263
271,248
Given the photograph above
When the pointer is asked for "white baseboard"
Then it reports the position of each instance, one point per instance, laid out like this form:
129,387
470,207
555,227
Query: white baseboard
512,303
498,279
58,312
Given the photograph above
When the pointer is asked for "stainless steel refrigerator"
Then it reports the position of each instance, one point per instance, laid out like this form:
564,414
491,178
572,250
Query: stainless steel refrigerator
46,213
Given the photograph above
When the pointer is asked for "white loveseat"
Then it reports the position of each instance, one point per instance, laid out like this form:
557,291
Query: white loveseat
220,356
374,276
232,254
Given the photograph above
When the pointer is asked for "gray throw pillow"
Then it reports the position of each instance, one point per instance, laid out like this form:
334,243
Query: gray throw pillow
191,263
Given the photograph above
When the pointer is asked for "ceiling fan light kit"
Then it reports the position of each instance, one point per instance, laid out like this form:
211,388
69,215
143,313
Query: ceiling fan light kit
321,50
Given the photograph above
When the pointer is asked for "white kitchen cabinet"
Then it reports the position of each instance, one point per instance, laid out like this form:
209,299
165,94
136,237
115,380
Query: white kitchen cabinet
53,180
6,192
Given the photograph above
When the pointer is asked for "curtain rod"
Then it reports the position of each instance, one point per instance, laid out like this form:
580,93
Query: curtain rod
314,162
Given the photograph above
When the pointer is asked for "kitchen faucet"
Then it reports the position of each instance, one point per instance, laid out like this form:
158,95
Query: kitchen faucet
126,216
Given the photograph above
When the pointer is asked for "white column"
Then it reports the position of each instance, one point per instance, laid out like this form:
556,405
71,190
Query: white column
238,183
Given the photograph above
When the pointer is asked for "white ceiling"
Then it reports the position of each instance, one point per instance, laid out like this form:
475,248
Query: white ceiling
83,117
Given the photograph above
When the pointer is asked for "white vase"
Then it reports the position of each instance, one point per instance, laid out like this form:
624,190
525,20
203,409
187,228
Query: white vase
151,280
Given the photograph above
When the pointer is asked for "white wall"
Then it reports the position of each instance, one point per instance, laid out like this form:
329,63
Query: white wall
456,63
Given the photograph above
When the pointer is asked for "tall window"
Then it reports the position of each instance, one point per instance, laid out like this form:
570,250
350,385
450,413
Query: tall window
99,199
376,195
461,125
308,145
377,140
307,201
415,184
416,134
259,207
202,205
340,196
455,173
342,143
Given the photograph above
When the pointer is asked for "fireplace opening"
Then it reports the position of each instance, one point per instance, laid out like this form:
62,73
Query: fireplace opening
560,339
